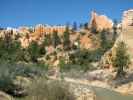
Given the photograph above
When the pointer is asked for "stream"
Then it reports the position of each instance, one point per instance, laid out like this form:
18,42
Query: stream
106,94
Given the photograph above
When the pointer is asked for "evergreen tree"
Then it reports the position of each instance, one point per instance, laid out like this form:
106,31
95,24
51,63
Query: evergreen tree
81,25
42,49
66,39
103,39
55,39
86,26
121,60
115,30
106,44
34,51
74,28
94,27
9,48
47,40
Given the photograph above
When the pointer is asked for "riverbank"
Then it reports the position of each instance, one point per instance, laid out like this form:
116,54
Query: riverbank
102,78
90,90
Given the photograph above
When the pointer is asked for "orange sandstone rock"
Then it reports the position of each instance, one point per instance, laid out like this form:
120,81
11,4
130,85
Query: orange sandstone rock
100,21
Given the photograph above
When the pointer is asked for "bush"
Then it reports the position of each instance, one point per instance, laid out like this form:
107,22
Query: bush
55,39
84,57
10,49
105,43
34,51
65,67
14,77
7,78
49,90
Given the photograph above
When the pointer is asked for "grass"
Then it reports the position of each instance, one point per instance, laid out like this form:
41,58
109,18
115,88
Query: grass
14,77
49,90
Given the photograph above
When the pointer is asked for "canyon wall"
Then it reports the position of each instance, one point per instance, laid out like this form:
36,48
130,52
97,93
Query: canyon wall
127,18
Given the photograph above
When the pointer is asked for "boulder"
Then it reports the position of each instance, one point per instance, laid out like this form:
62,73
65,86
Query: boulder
82,92
4,96
21,86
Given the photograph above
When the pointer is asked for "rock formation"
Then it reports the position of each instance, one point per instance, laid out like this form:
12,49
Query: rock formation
100,21
127,31
47,29
126,35
4,96
39,32
86,42
127,19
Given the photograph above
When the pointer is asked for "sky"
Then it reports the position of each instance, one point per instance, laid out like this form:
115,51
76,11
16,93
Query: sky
14,13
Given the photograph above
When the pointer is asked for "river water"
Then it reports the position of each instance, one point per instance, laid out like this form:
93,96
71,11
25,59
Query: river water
106,94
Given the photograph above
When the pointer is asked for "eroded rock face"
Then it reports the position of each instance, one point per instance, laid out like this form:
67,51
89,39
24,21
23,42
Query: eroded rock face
127,19
86,42
100,21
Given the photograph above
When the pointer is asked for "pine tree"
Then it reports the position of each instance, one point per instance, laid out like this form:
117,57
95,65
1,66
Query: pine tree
34,51
121,60
106,44
9,48
94,26
115,30
55,39
47,40
74,28
86,26
66,39
103,39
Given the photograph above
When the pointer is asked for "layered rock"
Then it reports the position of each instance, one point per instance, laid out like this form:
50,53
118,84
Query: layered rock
127,31
100,21
47,29
38,33
127,19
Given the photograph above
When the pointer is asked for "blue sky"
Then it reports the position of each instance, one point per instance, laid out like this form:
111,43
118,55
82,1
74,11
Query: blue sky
16,13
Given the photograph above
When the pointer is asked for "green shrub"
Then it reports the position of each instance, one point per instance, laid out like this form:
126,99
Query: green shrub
6,78
66,39
105,43
49,90
10,49
34,51
14,77
84,57
55,39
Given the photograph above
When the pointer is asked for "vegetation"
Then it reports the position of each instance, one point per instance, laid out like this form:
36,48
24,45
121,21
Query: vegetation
19,65
47,40
115,30
86,26
34,51
14,77
53,90
121,59
56,39
9,49
66,39
94,27
74,28
106,43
